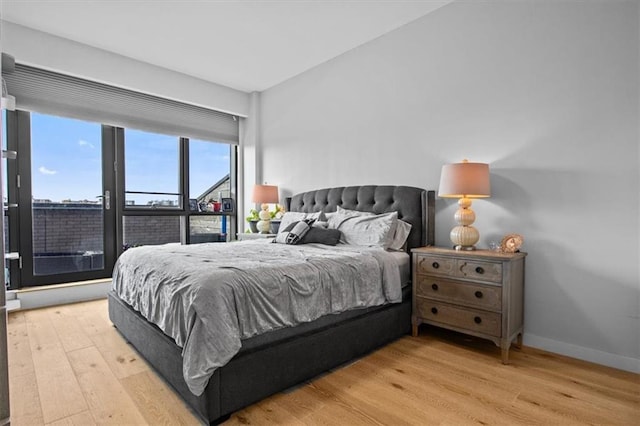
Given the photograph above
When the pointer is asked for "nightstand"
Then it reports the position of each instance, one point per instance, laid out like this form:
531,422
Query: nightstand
480,293
246,236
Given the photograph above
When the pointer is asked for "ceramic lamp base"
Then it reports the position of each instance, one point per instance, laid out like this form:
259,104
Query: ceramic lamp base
464,236
263,226
265,220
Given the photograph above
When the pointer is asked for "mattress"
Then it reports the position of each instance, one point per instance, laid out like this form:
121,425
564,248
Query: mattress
403,261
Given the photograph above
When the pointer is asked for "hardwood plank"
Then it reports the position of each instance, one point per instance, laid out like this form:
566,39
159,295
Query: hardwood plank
303,401
58,388
70,333
466,397
24,400
15,317
81,419
106,397
122,358
18,349
158,404
388,401
94,321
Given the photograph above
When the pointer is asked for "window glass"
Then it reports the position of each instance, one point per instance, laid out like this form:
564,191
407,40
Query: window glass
209,166
152,170
150,230
208,229
66,189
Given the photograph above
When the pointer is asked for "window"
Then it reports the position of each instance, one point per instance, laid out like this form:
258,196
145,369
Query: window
152,170
66,190
209,183
129,183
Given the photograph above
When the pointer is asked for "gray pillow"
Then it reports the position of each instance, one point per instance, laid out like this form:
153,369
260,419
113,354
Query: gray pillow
330,237
311,234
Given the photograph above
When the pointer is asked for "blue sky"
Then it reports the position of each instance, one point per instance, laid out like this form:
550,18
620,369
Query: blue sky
66,160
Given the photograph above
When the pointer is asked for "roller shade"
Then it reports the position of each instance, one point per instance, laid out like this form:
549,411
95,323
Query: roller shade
58,94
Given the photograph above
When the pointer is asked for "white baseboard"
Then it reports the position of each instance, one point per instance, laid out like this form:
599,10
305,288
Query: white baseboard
39,297
13,305
586,354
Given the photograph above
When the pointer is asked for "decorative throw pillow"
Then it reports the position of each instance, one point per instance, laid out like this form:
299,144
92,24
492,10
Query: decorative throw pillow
288,218
294,232
305,232
298,231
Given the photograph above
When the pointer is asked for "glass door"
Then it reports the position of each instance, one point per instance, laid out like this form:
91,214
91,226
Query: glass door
65,207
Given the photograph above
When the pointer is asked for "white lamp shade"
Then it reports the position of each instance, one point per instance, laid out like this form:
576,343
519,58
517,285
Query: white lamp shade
465,180
265,194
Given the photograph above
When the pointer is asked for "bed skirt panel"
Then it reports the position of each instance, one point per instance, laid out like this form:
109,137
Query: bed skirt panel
286,364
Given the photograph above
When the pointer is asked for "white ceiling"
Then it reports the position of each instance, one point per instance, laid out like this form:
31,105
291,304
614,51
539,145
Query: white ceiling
247,45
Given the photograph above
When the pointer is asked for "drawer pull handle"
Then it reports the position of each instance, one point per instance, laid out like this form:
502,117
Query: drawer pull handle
434,310
435,265
479,270
434,287
477,320
479,294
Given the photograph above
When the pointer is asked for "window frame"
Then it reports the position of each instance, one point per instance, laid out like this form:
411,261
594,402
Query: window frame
183,210
18,125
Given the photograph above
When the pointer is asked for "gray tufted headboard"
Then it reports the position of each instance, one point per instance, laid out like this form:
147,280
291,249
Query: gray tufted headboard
414,205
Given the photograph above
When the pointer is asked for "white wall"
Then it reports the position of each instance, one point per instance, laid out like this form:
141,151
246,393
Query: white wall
47,51
545,92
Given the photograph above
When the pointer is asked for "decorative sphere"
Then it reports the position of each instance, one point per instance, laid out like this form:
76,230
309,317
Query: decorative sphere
263,226
264,215
464,236
465,216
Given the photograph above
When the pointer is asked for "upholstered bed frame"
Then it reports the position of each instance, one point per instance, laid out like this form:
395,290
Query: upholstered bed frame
277,360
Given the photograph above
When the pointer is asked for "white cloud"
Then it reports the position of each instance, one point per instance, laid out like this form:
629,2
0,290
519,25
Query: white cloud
85,143
45,171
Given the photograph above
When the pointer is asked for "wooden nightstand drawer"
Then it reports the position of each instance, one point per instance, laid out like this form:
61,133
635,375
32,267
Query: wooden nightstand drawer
479,270
463,268
435,265
476,295
464,318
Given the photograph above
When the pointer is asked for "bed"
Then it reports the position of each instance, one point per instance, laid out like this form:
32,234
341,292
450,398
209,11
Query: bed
278,359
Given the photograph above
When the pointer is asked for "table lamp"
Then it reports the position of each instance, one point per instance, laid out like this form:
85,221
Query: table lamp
464,181
265,195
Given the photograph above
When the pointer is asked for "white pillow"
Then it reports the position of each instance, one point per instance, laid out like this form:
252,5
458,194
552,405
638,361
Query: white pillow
400,234
288,218
365,229
340,210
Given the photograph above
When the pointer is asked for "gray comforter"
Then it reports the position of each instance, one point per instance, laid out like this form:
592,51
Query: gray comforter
208,297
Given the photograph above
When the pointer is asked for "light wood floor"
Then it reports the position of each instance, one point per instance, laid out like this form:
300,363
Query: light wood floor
69,366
